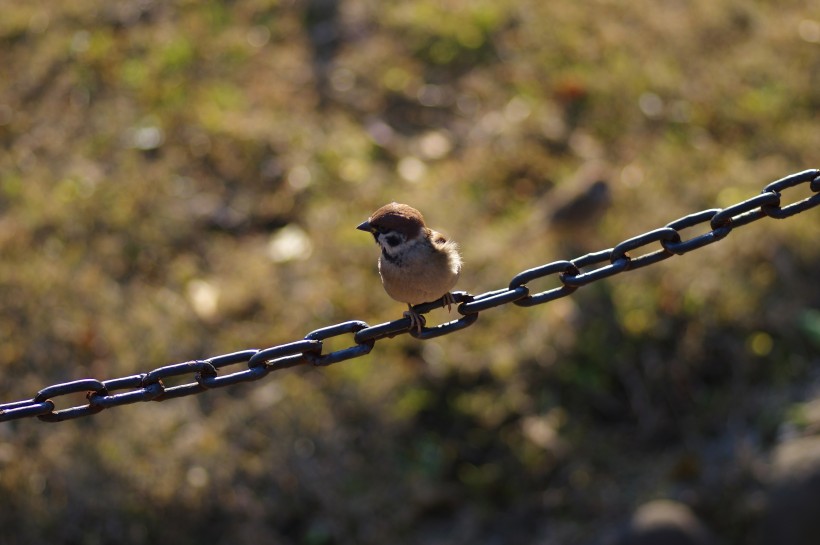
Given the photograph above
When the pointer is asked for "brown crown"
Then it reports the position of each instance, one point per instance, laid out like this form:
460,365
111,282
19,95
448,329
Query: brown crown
398,217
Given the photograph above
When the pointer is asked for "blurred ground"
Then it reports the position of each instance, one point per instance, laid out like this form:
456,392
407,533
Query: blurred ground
183,179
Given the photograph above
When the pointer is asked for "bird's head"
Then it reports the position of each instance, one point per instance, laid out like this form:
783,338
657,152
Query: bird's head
393,225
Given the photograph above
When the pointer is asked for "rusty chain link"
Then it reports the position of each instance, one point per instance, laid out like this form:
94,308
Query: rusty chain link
571,275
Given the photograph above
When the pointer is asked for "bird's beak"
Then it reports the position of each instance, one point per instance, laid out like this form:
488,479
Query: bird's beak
365,226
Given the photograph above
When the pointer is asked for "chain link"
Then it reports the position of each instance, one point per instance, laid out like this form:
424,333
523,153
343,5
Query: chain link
571,275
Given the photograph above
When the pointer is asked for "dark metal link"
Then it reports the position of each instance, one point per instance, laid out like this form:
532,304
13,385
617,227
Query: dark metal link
494,299
173,370
339,355
664,234
133,381
795,208
699,241
248,375
556,267
154,378
382,331
242,356
205,374
147,393
22,409
208,378
582,279
812,176
744,212
444,329
270,356
182,390
456,297
87,385
295,357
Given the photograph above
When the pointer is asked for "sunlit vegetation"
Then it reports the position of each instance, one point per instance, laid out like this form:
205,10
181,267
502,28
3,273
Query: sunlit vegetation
183,179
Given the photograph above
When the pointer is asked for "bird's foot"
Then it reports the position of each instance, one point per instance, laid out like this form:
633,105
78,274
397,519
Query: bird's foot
417,321
449,301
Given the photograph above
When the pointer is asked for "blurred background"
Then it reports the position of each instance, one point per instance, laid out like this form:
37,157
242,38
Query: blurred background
183,179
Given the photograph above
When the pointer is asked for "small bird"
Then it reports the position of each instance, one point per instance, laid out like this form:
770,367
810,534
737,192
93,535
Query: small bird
417,265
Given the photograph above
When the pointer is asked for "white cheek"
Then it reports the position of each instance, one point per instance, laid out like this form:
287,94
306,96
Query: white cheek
391,250
382,239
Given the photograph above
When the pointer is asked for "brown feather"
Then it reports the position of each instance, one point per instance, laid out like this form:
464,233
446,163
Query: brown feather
398,217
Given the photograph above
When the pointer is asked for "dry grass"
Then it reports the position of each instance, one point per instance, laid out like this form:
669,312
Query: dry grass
183,179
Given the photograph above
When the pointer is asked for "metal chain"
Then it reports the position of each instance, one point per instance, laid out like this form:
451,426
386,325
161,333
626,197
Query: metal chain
571,275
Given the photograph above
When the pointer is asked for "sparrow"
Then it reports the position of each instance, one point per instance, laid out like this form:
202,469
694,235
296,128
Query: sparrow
417,265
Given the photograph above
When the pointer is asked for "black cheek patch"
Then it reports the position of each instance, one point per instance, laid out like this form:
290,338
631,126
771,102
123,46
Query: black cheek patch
393,240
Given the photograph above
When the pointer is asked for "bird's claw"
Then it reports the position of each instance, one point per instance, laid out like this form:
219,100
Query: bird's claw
417,321
449,301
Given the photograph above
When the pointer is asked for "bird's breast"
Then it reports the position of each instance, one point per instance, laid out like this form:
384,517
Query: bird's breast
418,276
